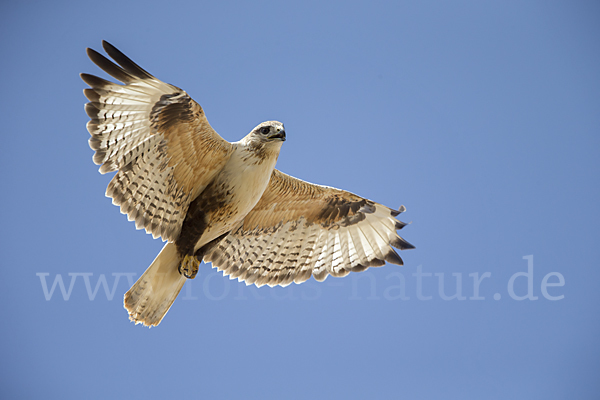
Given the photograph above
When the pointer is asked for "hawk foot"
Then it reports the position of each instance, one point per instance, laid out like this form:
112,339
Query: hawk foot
189,266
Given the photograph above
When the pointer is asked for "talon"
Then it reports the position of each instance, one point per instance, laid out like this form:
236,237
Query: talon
189,266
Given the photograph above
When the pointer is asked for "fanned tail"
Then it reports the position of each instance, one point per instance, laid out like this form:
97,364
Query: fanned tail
152,295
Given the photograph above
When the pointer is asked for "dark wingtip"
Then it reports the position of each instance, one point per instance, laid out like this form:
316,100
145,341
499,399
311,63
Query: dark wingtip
91,111
376,262
90,52
87,78
91,95
109,67
125,62
401,244
393,258
399,225
94,81
408,246
400,210
359,268
108,46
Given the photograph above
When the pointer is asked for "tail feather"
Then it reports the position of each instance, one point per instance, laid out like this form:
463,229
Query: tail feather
152,295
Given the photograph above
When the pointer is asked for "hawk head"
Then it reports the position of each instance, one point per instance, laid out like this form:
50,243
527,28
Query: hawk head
268,132
264,142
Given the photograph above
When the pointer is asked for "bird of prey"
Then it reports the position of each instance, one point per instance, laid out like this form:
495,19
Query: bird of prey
216,201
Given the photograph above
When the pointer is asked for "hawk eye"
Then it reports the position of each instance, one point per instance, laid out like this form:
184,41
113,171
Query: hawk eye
264,130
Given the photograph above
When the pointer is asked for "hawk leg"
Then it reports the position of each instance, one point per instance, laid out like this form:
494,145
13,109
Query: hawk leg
189,266
191,263
193,227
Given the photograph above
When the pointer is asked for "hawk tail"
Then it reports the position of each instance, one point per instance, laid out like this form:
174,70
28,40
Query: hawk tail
152,295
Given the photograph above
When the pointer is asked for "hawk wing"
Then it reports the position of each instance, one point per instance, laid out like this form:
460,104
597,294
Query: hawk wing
156,137
299,228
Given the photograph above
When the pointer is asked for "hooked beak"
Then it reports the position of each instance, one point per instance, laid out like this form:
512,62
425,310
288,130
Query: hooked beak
278,135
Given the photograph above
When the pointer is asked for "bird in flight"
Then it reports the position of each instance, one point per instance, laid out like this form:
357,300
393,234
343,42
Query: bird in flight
216,201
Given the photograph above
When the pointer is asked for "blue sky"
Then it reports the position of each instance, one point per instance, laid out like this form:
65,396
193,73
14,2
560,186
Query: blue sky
482,118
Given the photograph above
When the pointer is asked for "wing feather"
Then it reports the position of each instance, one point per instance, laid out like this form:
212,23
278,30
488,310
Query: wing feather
299,229
302,264
157,139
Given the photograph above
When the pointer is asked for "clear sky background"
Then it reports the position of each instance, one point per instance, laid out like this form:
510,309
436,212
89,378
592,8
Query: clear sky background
482,118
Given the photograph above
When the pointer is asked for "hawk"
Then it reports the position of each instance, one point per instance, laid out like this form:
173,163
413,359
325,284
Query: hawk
216,201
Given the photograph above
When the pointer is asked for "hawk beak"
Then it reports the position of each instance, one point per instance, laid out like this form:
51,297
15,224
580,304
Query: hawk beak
278,135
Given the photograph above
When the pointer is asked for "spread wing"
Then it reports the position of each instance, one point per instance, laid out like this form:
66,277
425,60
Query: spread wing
156,137
299,228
